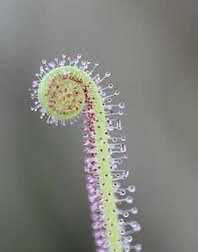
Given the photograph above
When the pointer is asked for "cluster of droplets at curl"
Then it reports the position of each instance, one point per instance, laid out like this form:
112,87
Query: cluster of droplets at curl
65,90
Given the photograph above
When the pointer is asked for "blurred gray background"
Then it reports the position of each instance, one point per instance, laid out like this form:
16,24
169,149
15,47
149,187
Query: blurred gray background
151,48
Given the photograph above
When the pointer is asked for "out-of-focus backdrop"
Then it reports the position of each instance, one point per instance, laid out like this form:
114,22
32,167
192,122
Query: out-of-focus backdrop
151,48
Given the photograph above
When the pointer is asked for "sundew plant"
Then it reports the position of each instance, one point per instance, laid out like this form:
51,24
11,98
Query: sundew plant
68,90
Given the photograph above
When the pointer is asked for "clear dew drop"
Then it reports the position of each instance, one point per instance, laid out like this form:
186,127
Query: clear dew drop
117,92
121,105
138,247
107,74
131,188
126,214
44,61
134,210
129,200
